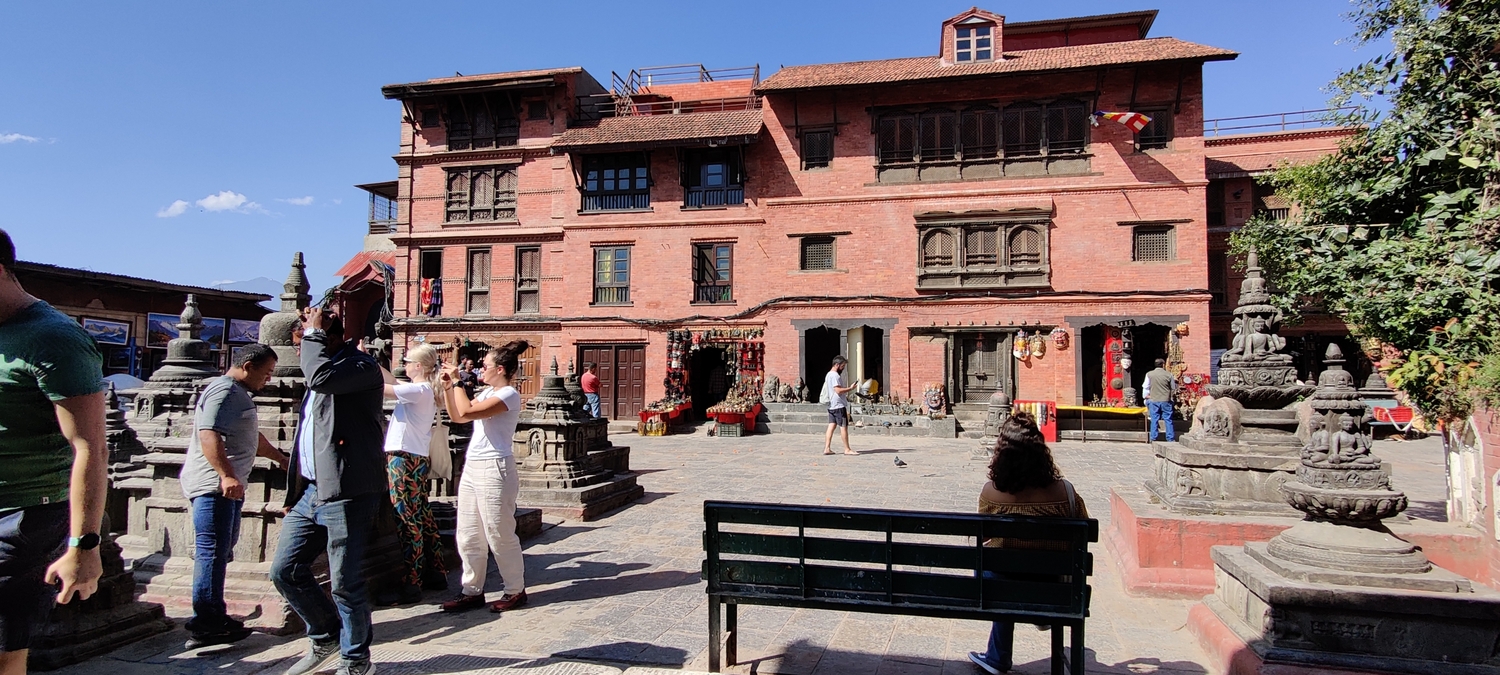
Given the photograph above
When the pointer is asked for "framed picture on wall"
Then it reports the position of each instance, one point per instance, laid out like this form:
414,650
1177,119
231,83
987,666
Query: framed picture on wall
107,332
244,331
213,332
117,358
160,329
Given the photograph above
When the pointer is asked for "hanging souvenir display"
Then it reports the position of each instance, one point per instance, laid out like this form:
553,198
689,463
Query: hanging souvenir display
1022,348
1059,337
1038,344
1114,370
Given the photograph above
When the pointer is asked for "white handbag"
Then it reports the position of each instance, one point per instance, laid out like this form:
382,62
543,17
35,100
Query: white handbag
439,454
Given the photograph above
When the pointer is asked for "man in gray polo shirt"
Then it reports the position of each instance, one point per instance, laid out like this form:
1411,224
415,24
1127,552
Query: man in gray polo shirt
225,442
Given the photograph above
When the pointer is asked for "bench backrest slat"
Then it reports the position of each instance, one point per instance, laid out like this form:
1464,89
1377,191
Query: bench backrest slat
845,559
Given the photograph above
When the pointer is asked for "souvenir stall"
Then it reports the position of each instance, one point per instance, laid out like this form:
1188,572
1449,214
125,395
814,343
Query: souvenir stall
711,374
1126,353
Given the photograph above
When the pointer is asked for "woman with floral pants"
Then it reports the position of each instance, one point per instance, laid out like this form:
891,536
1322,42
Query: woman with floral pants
407,467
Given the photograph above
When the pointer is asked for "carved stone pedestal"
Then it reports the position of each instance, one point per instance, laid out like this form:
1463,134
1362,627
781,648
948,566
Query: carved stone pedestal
565,461
1246,481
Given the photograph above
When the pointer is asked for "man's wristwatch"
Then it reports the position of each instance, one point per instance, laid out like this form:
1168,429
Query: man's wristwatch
87,542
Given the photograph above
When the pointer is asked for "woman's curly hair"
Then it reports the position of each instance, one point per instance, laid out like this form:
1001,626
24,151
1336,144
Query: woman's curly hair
1022,459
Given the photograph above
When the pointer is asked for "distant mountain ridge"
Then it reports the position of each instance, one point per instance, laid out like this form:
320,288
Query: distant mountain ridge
261,285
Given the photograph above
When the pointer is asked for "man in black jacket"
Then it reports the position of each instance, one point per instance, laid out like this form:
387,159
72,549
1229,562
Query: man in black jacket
335,487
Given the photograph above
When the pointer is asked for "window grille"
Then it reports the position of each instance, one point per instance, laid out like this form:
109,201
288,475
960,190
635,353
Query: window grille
979,131
939,136
478,281
937,249
711,272
481,194
980,247
528,280
817,148
817,253
478,122
1158,132
616,182
973,43
1025,247
612,275
1067,127
536,110
1218,279
714,178
1155,244
897,138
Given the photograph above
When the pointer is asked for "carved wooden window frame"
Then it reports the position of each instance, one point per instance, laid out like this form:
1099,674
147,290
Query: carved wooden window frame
528,280
611,278
713,282
493,201
981,253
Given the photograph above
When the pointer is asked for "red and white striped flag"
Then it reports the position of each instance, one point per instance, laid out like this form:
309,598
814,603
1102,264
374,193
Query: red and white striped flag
1134,120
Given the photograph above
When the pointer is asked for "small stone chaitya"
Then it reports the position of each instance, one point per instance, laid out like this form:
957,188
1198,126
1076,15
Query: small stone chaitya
565,461
1338,589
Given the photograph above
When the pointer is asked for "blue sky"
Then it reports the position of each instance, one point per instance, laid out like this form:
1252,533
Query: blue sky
198,142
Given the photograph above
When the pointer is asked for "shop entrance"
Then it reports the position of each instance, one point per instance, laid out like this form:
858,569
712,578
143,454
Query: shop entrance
823,343
866,356
1103,349
981,365
622,378
708,379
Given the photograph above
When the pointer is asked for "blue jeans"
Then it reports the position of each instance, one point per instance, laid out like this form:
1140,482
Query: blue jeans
342,528
216,528
1002,635
593,403
1159,411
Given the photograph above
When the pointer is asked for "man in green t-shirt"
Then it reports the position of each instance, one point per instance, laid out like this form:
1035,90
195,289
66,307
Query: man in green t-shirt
52,462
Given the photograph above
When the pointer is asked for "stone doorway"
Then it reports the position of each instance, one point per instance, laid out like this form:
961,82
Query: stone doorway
707,379
983,366
822,344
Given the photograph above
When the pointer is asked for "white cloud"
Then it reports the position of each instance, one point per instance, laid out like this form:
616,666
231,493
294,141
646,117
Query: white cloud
12,138
298,201
226,201
176,208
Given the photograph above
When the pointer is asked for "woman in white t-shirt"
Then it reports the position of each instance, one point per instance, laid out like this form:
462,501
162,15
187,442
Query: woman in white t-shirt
489,486
407,466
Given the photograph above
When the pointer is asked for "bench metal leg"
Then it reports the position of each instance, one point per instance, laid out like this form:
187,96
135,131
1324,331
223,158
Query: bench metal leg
715,631
732,626
1057,649
1076,643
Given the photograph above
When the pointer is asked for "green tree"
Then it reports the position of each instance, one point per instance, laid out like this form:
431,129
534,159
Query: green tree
1397,232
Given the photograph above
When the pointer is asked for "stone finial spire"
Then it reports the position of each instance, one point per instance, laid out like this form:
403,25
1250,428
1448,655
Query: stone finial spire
554,365
1253,288
295,295
190,322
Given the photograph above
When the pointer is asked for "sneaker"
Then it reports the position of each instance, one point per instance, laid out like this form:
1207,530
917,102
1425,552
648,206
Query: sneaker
361,667
464,603
508,602
229,635
984,663
317,660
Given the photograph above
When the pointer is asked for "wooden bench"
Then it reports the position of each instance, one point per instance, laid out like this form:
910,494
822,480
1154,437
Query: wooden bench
896,562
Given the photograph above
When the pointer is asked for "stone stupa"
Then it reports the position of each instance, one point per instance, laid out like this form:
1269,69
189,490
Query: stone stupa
1243,443
565,461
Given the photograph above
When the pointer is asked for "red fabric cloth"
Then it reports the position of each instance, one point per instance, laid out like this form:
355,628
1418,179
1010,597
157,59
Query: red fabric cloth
590,383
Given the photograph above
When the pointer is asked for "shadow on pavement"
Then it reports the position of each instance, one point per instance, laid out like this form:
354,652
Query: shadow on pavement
629,652
806,658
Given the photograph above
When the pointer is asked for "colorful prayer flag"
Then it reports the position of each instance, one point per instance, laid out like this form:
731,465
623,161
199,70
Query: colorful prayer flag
1134,120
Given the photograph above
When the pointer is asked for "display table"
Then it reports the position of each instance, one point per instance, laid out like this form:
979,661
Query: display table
1086,422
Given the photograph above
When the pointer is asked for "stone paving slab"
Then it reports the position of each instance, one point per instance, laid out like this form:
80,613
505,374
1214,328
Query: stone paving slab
623,594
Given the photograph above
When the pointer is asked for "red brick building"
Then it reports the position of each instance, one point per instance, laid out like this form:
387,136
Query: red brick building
915,214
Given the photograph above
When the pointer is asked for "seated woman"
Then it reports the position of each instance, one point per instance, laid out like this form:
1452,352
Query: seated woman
1023,482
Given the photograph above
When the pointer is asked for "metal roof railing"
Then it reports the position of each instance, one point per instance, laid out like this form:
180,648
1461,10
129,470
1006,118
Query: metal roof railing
1286,121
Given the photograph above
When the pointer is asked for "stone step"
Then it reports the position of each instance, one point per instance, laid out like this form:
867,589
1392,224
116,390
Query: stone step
819,429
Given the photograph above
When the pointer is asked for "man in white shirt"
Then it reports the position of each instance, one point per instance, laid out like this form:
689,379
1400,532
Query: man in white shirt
838,406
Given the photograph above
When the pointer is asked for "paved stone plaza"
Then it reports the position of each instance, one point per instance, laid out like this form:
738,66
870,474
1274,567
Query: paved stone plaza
623,593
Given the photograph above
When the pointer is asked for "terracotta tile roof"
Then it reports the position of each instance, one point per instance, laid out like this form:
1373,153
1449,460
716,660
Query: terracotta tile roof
662,129
1027,61
362,260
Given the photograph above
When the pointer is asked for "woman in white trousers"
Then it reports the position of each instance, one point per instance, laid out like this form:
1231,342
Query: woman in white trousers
487,491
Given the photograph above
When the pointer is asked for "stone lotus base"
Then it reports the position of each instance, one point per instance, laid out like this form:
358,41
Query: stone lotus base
1321,625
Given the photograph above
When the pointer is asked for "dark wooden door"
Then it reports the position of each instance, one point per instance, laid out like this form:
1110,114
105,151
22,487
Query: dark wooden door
622,378
630,381
982,369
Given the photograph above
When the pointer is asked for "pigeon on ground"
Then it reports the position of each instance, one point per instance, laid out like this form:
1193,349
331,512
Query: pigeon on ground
900,463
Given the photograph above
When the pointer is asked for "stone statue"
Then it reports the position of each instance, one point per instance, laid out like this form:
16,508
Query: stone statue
1254,370
772,391
786,394
1260,344
1317,440
1348,446
802,391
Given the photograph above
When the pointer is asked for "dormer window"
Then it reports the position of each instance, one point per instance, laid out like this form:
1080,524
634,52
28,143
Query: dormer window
973,44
